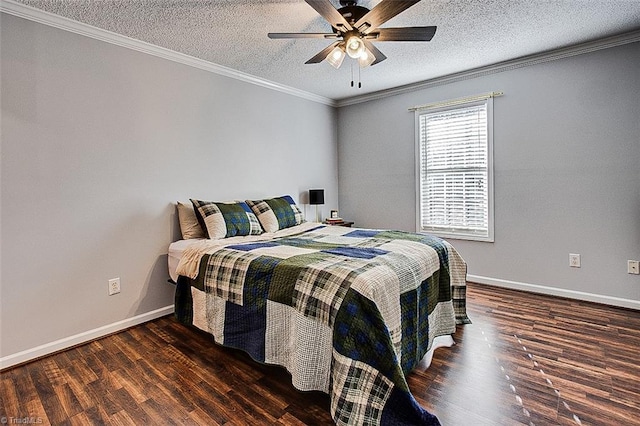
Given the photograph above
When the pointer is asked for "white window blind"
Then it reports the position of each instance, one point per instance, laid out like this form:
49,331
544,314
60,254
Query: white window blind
454,156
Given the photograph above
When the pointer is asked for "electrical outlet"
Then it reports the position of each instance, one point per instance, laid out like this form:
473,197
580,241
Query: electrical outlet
114,286
633,267
574,260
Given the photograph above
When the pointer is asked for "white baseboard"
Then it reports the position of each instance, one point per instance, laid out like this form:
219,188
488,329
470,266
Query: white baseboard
553,291
87,336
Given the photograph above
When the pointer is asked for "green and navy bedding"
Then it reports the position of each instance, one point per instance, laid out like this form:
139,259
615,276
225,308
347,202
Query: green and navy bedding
347,311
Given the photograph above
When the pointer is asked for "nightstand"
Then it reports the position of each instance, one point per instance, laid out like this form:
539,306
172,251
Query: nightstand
341,223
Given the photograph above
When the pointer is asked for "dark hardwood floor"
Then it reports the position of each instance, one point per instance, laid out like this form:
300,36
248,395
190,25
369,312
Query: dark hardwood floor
526,360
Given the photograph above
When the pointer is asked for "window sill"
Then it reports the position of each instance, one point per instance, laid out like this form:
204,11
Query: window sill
455,236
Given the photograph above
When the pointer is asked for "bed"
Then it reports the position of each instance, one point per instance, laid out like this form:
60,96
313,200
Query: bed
346,311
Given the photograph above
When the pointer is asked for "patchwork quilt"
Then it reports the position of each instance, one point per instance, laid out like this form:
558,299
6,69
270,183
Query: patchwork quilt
347,311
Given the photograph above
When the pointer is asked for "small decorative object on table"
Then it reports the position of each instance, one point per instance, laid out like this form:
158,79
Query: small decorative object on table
334,214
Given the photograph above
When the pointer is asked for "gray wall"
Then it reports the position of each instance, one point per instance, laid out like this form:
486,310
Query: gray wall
567,172
97,143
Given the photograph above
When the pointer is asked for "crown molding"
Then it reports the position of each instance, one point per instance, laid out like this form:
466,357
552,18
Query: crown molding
40,16
27,12
524,61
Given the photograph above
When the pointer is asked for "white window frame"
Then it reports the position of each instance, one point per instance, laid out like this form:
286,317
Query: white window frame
451,232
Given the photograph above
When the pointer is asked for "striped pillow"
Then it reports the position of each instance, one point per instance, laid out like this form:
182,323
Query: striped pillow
222,220
276,213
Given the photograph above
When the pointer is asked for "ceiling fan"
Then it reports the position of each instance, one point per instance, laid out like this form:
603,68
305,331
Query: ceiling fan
355,27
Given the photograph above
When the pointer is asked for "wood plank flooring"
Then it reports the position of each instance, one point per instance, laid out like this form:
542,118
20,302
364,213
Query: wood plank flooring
526,360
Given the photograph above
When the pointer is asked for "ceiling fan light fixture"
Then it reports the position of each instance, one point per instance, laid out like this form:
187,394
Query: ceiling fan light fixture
355,46
366,58
336,56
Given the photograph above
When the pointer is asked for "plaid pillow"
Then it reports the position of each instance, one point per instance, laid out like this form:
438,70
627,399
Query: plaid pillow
276,213
222,220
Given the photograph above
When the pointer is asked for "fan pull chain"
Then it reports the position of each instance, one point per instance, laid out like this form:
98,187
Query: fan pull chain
351,63
359,79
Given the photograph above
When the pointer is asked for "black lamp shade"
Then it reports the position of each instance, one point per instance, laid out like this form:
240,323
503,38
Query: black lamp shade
316,196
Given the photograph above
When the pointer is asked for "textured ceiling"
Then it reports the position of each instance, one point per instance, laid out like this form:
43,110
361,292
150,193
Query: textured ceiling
471,34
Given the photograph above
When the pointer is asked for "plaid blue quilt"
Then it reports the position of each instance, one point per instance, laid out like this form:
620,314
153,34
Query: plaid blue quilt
347,311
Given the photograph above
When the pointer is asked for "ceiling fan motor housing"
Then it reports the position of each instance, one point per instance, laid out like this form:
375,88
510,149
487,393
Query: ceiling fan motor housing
352,13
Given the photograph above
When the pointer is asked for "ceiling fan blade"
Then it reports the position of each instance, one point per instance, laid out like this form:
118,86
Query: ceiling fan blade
330,13
404,34
302,35
382,12
375,52
321,56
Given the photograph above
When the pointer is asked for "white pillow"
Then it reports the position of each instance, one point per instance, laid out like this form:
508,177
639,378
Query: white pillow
189,226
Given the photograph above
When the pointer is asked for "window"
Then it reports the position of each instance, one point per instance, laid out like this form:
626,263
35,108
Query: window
455,170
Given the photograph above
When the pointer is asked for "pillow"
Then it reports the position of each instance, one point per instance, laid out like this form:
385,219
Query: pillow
222,220
276,213
189,226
